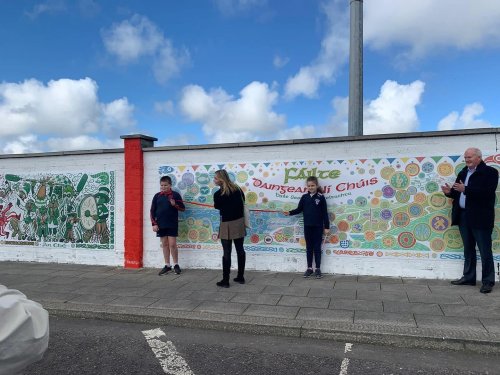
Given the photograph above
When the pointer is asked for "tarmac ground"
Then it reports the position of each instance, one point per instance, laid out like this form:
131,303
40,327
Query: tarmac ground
406,312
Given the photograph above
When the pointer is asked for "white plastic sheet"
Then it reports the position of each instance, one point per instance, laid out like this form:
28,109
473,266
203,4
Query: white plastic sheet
24,331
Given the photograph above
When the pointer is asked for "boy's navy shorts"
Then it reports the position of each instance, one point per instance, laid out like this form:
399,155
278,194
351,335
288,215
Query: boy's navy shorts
164,232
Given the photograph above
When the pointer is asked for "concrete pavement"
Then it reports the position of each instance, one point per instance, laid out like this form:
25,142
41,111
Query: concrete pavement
381,310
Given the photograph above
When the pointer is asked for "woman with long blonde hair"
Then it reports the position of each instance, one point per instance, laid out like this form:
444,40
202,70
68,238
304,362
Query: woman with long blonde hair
229,200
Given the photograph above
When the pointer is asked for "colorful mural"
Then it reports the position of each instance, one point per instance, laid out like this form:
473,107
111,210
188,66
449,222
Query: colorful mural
385,208
57,210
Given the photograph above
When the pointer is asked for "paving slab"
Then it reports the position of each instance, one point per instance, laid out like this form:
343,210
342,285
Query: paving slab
373,309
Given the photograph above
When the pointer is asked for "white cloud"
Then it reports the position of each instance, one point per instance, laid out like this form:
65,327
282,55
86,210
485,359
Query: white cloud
425,25
226,119
63,107
231,7
82,142
394,111
49,7
280,62
166,107
333,55
132,39
467,120
297,132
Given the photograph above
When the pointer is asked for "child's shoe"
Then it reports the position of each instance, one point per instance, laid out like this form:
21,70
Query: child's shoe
308,272
177,269
318,273
164,270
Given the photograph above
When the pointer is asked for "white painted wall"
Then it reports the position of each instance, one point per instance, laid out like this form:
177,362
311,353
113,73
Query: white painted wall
340,148
336,149
71,163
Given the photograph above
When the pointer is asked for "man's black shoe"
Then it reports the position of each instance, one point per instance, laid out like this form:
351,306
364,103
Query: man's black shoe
239,279
463,281
486,288
223,284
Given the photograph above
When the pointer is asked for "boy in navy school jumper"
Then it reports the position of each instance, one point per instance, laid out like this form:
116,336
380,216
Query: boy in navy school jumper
316,223
164,212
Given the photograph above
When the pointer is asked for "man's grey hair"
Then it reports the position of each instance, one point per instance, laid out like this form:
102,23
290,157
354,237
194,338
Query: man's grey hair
477,152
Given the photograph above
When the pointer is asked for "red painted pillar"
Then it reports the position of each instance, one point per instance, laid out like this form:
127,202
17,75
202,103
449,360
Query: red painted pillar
134,194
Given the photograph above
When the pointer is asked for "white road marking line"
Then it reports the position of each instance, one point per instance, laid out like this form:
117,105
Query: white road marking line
170,360
345,361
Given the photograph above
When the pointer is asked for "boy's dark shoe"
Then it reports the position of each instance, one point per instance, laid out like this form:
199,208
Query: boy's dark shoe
318,273
177,269
463,281
239,279
308,272
223,284
164,270
486,288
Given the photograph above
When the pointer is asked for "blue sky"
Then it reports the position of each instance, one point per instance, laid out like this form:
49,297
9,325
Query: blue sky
78,74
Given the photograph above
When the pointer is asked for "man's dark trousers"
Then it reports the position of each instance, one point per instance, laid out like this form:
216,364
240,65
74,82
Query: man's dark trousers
471,236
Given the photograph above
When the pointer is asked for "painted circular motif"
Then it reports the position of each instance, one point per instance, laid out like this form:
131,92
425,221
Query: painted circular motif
427,167
361,171
400,180
361,201
437,245
445,169
350,201
386,214
385,204
380,254
215,236
415,209
412,190
181,185
378,193
370,235
431,187
242,177
188,178
452,239
203,234
406,240
412,169
350,217
401,219
334,239
205,190
194,189
268,240
439,223
495,246
193,234
459,167
438,200
383,226
251,198
202,178
375,202
280,237
402,196
342,236
388,241
420,198
387,172
388,191
422,231
357,227
343,226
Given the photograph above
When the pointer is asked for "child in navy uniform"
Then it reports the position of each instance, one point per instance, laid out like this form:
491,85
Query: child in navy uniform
316,223
164,212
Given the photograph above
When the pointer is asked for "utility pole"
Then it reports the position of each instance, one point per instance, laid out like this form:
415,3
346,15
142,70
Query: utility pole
355,124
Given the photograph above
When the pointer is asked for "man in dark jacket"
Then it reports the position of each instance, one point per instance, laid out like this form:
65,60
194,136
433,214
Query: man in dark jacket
473,211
